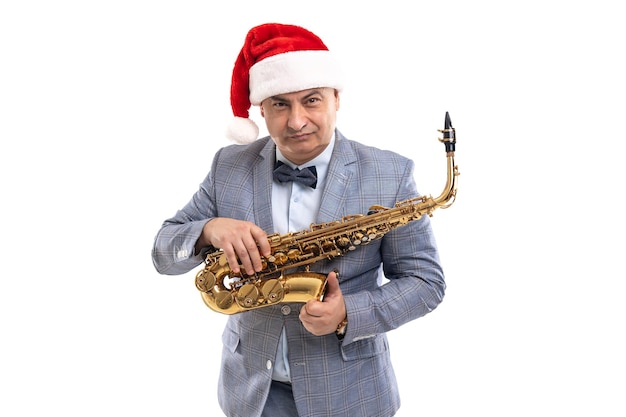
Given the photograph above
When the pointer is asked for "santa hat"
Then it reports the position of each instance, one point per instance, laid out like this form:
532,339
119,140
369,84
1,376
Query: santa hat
276,59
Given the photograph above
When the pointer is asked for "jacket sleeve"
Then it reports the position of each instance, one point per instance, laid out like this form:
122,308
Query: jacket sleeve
173,252
415,285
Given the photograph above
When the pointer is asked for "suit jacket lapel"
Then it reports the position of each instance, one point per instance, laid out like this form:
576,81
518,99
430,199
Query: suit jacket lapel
263,187
341,172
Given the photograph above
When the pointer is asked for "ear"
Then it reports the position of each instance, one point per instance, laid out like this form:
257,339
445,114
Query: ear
337,100
262,111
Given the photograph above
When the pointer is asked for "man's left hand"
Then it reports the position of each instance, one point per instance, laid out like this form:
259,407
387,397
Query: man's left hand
323,317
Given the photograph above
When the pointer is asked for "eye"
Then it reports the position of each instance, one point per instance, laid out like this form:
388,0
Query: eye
313,101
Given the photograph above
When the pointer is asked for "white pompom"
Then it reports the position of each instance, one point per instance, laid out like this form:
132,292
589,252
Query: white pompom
242,131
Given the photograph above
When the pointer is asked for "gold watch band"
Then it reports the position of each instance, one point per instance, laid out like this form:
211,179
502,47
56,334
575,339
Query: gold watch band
341,328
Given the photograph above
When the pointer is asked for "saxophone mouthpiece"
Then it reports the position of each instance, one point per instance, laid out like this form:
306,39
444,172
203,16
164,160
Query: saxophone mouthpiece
449,136
448,122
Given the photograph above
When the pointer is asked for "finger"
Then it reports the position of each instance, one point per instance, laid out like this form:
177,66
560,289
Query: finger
251,252
315,309
255,256
246,258
306,317
262,244
311,309
231,257
332,287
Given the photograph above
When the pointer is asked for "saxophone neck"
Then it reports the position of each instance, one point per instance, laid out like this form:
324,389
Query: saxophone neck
448,138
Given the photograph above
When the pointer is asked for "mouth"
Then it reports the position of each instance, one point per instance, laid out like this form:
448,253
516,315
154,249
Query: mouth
300,136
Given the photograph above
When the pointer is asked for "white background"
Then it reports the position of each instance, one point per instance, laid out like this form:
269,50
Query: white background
110,113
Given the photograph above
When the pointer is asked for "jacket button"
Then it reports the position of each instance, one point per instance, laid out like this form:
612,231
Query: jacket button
286,310
269,364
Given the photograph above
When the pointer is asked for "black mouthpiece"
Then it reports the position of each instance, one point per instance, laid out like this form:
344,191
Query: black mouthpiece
449,137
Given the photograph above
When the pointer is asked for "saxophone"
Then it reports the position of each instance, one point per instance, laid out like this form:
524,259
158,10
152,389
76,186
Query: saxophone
226,292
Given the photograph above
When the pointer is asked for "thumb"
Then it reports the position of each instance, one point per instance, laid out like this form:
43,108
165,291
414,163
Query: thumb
332,287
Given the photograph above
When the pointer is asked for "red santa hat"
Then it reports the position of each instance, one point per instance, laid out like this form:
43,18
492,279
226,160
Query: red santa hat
276,59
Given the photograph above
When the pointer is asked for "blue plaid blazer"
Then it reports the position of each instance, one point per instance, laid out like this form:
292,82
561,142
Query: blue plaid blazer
386,283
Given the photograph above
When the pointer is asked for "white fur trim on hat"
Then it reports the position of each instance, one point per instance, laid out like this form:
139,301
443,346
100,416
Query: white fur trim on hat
293,71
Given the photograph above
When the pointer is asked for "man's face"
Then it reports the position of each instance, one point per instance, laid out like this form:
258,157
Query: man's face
301,123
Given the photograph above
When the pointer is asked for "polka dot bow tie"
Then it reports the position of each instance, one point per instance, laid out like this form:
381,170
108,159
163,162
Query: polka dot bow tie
305,176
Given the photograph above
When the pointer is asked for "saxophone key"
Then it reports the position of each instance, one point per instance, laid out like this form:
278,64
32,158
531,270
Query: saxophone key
247,296
223,299
372,234
205,280
358,238
328,246
343,242
279,258
312,249
273,291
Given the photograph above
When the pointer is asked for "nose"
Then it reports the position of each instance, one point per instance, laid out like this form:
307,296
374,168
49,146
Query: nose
298,118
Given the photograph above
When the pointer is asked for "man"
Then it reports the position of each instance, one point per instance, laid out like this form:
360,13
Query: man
320,358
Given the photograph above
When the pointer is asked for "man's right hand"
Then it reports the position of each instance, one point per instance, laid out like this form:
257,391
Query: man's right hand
241,241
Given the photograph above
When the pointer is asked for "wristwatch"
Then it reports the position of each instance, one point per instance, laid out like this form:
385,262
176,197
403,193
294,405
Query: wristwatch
341,328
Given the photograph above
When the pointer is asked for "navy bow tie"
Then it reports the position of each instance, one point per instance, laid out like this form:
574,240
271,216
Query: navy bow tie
305,176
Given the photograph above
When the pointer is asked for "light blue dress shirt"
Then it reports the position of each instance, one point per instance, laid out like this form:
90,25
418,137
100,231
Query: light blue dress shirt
294,208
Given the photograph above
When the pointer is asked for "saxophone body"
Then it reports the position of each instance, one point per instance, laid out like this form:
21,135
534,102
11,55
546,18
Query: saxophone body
285,276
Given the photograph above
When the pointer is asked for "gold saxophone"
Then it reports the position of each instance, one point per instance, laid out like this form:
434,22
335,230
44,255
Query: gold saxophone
226,292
